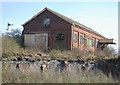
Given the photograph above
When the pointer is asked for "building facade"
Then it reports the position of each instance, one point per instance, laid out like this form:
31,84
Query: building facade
49,29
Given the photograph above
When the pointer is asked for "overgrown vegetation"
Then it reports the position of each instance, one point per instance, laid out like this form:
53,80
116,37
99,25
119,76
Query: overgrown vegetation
78,54
12,46
33,75
0,47
12,43
9,45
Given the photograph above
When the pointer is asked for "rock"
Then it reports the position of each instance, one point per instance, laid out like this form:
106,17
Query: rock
61,66
31,55
38,59
26,58
84,67
4,59
13,59
92,62
19,59
43,67
66,63
17,65
31,60
39,54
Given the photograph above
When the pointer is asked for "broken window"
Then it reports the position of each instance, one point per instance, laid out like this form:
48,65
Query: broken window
81,39
59,37
74,37
46,22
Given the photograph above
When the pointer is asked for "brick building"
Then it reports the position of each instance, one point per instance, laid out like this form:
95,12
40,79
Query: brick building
49,29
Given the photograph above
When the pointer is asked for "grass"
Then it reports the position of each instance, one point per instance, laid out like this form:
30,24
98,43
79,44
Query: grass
0,47
75,53
9,45
10,48
33,75
0,72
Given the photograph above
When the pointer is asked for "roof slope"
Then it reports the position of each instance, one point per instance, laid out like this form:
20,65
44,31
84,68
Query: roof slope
66,19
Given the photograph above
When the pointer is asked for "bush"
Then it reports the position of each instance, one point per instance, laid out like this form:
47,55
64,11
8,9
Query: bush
107,52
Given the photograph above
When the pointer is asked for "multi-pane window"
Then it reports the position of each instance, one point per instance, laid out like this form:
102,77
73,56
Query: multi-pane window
93,43
90,42
74,37
81,39
59,37
46,22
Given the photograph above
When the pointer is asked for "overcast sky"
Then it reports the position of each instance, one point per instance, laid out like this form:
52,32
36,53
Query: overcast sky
100,16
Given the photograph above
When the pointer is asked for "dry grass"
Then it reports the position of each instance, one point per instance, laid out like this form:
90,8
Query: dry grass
75,53
9,45
33,75
0,47
0,72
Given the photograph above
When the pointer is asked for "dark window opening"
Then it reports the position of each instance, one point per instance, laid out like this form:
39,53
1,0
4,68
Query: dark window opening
97,44
81,39
93,43
74,37
46,22
59,37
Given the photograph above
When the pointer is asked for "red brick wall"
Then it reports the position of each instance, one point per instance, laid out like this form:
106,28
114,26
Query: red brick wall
85,33
57,25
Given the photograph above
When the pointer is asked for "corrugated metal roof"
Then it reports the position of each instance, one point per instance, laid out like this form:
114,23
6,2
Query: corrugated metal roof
66,19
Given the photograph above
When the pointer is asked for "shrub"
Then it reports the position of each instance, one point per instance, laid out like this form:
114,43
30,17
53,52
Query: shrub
107,52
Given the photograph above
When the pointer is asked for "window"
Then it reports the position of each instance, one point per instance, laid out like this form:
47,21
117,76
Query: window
81,39
97,44
59,37
46,22
90,42
74,37
93,43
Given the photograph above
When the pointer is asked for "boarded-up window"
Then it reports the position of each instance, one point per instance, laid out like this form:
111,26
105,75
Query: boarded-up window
81,39
74,37
59,37
46,22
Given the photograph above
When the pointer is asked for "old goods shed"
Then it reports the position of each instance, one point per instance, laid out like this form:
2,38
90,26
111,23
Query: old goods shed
49,29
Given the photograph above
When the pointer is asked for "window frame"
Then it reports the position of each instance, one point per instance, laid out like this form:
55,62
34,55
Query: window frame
75,37
93,43
81,39
97,44
45,22
61,37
